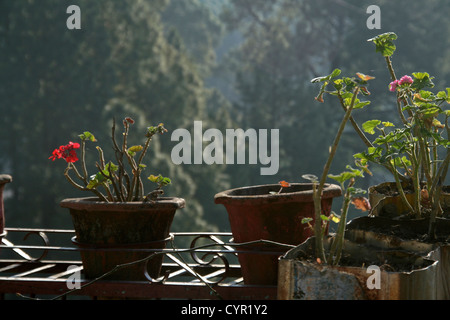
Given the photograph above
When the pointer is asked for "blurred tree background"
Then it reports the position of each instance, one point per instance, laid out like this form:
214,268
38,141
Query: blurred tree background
229,63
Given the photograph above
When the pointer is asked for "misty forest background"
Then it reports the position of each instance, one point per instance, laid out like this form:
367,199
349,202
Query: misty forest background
229,63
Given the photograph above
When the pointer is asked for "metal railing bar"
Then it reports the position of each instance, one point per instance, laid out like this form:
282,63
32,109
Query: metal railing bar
39,230
65,273
186,267
211,275
35,270
9,244
10,267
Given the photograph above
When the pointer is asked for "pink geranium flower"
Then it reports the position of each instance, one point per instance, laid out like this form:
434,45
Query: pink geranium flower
393,85
405,79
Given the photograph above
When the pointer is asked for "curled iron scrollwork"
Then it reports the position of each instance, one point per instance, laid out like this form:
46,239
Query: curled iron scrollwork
44,238
209,257
18,250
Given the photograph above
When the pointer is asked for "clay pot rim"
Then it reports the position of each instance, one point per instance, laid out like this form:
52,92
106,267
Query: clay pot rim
94,204
329,191
145,245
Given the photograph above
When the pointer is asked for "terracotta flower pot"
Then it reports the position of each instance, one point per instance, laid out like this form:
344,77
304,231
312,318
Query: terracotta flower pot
255,214
107,234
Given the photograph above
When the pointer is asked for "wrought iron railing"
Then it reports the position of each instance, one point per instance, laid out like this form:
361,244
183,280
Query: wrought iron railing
44,263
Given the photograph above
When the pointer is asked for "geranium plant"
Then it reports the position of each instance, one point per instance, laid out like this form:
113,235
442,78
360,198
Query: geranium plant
410,145
348,90
118,181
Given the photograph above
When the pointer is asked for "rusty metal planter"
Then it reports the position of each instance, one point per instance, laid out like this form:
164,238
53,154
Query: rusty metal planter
369,230
442,255
303,280
255,214
391,207
110,234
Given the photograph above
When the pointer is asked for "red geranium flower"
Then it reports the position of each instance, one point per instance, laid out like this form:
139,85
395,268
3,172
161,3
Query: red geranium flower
66,152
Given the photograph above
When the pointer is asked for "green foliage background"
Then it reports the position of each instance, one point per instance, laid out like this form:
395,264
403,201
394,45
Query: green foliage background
229,63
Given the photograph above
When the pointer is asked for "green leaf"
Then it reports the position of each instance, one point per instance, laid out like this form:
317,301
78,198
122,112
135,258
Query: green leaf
399,162
408,107
134,149
338,84
373,154
110,167
100,177
385,43
160,180
154,178
326,81
306,220
87,136
369,126
360,105
422,80
347,175
335,218
429,110
335,73
96,180
165,181
443,96
310,177
363,158
327,78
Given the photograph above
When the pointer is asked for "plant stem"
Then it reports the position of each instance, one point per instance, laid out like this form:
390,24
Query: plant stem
435,195
394,170
394,78
83,160
336,247
119,158
317,195
390,68
76,185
